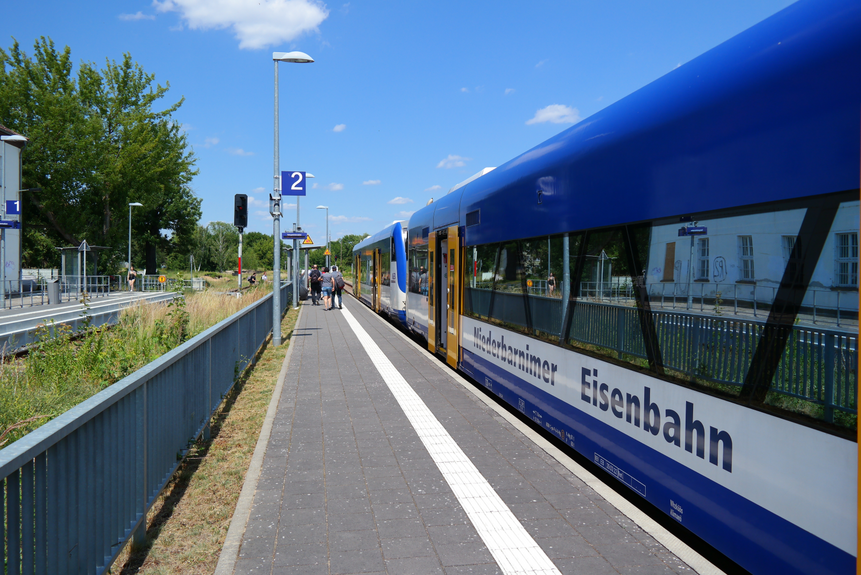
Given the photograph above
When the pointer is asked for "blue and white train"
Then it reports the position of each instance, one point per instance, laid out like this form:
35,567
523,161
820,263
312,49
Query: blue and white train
380,268
671,288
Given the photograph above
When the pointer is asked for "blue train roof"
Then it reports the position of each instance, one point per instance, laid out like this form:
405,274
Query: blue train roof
771,114
383,234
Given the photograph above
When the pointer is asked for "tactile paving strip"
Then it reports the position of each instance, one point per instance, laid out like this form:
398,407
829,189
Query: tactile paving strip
514,550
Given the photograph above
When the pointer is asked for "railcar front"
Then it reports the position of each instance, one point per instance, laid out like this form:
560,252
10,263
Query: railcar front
671,288
381,277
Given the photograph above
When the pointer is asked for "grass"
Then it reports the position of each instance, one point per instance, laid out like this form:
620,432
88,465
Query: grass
61,371
188,523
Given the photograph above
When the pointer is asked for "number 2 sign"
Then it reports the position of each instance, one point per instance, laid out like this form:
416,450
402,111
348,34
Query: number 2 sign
293,183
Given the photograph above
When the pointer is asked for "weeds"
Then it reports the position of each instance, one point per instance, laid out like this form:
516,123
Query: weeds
61,371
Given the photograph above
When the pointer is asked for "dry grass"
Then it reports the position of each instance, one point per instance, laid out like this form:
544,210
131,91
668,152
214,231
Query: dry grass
188,523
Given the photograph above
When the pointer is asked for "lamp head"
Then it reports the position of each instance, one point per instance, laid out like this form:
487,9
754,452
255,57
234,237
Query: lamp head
294,57
322,207
136,204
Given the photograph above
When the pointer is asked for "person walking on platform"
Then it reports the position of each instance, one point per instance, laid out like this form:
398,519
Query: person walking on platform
316,278
326,284
337,283
132,276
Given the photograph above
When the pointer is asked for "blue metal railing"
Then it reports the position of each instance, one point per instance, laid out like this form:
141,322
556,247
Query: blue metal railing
77,489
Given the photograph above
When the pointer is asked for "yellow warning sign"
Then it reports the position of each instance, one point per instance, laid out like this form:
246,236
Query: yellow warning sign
326,253
308,241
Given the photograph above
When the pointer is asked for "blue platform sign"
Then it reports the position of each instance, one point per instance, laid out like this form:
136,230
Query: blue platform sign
693,231
292,183
293,235
13,207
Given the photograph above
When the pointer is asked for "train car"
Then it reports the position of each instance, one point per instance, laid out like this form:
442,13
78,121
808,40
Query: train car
381,271
671,288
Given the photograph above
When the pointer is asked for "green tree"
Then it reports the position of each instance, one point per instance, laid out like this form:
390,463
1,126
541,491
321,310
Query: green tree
97,144
223,240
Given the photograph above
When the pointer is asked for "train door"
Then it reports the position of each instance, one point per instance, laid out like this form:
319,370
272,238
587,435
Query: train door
431,287
442,299
442,316
357,280
453,297
378,276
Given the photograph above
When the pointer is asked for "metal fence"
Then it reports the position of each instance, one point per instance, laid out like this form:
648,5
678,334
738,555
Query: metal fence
153,283
34,291
818,365
76,490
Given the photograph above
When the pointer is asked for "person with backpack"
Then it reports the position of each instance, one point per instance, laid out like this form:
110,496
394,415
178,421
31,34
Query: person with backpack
326,284
316,285
337,285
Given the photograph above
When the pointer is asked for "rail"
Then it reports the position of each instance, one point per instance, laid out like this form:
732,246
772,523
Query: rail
77,490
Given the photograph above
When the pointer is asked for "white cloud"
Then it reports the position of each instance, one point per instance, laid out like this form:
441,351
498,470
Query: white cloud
405,215
371,183
556,113
339,128
453,161
238,152
209,142
509,91
432,188
541,63
333,187
258,190
139,16
346,219
400,200
255,24
465,90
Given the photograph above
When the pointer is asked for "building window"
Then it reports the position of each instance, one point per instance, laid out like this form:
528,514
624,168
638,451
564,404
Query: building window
745,256
847,260
790,258
703,259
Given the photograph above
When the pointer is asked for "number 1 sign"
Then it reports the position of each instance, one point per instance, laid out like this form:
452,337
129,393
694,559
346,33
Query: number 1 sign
292,183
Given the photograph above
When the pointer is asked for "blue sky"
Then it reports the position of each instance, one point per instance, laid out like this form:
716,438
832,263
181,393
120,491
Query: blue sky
405,100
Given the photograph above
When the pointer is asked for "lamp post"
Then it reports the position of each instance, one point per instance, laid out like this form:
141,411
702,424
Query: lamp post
296,58
327,231
137,205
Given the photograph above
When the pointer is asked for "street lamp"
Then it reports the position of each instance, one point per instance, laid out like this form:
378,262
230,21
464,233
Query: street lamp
137,205
296,58
327,231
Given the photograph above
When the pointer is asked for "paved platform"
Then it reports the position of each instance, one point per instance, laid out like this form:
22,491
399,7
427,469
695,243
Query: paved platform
376,458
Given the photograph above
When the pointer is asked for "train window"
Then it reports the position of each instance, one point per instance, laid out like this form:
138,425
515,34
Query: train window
508,306
418,260
543,266
367,268
385,267
479,264
760,304
603,315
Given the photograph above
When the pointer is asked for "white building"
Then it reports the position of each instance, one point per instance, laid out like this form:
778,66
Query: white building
744,257
11,147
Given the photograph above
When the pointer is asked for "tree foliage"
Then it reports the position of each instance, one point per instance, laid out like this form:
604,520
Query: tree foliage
97,143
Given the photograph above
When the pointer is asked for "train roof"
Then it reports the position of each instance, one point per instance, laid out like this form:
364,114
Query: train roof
770,114
386,232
